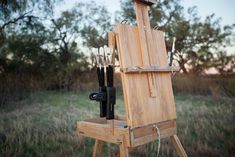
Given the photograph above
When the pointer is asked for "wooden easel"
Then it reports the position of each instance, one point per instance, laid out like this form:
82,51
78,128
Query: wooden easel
147,88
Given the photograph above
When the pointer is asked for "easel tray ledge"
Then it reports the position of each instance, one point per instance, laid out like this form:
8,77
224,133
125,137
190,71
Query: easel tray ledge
99,128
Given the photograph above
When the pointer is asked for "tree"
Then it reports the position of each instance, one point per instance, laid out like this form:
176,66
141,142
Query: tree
198,42
15,11
63,35
23,51
20,26
95,27
225,64
77,25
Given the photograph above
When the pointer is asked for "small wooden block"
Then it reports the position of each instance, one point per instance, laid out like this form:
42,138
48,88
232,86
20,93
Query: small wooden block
147,2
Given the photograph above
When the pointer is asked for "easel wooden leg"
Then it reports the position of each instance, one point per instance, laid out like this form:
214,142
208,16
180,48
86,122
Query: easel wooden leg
124,152
178,146
97,150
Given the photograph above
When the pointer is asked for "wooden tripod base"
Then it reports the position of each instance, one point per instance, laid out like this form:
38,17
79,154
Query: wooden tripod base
124,151
117,132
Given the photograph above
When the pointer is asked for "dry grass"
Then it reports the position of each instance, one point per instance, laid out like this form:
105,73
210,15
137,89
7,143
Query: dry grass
43,124
215,85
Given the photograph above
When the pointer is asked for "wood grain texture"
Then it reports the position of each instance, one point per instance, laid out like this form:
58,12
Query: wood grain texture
178,146
98,147
144,135
146,41
123,83
144,69
148,130
100,130
112,44
141,108
124,152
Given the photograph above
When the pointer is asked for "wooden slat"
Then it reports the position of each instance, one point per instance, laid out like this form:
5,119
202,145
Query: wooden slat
146,134
97,120
112,44
141,69
148,130
146,139
178,146
128,112
146,41
111,41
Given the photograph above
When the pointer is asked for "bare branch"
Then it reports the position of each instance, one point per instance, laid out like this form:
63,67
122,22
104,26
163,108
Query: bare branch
15,20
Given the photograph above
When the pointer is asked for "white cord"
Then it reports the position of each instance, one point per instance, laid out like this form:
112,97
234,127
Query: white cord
159,139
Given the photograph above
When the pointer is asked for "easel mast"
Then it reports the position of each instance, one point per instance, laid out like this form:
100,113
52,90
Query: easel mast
145,34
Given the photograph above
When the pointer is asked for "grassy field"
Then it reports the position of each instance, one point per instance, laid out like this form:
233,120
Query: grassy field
44,124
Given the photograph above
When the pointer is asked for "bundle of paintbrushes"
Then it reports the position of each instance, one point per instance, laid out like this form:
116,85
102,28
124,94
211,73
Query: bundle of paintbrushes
105,71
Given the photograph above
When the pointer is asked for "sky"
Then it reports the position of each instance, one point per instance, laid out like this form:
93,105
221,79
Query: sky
224,9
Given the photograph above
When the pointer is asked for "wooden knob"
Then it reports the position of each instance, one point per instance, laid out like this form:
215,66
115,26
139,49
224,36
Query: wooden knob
147,2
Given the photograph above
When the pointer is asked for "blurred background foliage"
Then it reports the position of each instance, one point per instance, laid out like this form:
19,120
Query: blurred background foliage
40,49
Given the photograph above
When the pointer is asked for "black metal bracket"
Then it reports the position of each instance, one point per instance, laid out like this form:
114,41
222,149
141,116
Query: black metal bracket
111,100
107,99
98,96
101,97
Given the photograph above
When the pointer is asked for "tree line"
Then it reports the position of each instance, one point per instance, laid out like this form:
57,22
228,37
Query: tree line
34,40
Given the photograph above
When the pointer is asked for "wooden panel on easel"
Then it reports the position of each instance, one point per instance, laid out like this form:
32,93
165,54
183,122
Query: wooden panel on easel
146,41
141,108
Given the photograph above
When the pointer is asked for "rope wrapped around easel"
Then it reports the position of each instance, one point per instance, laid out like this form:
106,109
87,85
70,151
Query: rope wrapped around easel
159,138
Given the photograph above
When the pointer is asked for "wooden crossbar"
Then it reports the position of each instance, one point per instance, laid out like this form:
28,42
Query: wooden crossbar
144,69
